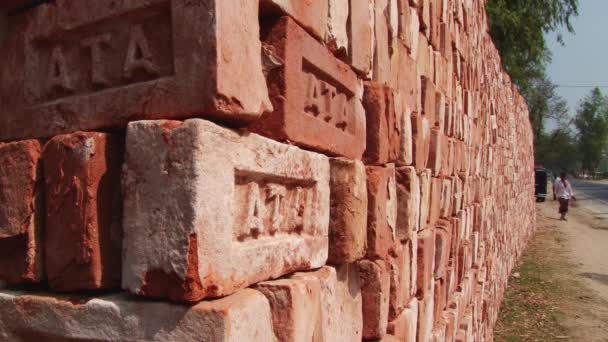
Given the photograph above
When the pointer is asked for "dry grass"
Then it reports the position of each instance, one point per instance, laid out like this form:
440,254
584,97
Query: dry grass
538,297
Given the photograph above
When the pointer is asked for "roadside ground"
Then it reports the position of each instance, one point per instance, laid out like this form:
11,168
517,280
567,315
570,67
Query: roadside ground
560,290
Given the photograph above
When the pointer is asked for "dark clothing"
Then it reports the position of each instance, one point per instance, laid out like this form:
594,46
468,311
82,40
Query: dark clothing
563,205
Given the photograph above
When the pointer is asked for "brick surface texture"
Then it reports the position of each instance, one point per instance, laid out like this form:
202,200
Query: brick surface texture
261,170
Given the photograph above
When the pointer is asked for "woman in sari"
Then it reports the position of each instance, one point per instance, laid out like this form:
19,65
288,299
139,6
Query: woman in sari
564,194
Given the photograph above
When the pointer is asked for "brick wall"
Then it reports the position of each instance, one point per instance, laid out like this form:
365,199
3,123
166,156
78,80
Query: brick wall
229,170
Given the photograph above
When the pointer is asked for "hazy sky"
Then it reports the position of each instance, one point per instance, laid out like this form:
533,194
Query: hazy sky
583,61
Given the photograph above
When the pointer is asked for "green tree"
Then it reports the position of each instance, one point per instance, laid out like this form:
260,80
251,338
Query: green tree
592,124
518,28
557,150
542,100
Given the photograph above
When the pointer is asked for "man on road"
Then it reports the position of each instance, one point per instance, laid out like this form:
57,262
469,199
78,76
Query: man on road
564,193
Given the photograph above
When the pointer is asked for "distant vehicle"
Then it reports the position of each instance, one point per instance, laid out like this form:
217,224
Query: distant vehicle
540,190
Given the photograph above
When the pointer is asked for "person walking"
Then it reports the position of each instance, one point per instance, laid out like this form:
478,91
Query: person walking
564,193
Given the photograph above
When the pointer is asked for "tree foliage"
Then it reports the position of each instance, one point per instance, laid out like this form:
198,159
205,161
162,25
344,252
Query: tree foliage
592,124
518,28
557,150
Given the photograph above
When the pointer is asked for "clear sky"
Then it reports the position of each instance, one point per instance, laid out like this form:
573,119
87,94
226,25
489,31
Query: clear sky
583,61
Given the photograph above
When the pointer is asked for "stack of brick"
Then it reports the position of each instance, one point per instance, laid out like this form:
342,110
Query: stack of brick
260,170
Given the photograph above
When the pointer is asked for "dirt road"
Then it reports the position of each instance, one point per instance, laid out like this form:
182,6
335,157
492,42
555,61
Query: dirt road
587,233
584,238
559,292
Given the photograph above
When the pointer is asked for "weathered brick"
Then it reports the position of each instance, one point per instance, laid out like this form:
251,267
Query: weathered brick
426,262
425,317
446,198
381,210
436,152
382,58
375,288
411,254
341,302
439,301
296,308
435,201
429,105
83,236
399,277
312,15
316,97
443,246
21,212
404,327
408,83
144,61
210,200
243,316
384,124
424,12
406,142
336,36
348,211
421,135
425,182
408,199
361,31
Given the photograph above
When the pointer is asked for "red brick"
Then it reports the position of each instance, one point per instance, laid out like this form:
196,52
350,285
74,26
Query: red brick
383,124
443,245
409,81
237,199
424,12
423,59
348,211
425,197
421,135
411,254
425,317
400,287
404,326
406,144
440,110
439,301
375,288
435,24
406,18
296,307
408,198
381,210
450,317
336,35
361,30
435,201
341,302
446,198
437,152
426,262
438,334
429,105
382,59
115,62
316,97
21,212
312,15
83,205
244,316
